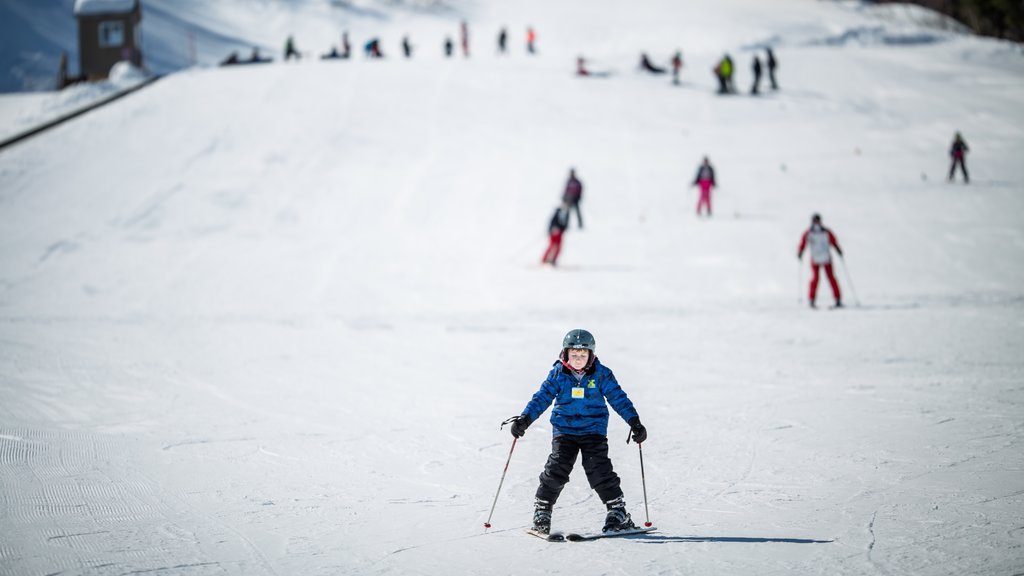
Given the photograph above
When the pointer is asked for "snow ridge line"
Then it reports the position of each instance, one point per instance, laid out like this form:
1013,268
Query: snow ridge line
75,113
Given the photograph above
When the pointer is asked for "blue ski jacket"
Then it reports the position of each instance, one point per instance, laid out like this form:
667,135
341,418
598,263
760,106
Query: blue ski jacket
580,407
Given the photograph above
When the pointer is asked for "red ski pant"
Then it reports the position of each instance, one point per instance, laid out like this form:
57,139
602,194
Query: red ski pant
831,280
554,247
705,196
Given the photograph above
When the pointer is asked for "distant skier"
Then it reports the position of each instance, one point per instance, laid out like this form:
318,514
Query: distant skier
573,194
581,389
406,47
531,40
723,72
957,152
464,38
502,40
820,240
556,229
290,51
645,63
448,47
346,48
705,179
372,48
757,75
581,67
771,68
677,64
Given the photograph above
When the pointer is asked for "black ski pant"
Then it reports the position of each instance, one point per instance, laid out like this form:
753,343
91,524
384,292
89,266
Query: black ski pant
963,168
596,464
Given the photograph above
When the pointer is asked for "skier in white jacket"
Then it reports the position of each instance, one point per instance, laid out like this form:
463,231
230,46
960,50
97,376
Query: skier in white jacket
820,240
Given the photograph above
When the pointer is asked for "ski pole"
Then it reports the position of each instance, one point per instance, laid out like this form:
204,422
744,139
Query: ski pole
643,478
849,281
487,524
643,482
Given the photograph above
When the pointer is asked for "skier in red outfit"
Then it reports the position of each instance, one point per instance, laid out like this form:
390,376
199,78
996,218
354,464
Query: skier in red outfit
820,241
559,222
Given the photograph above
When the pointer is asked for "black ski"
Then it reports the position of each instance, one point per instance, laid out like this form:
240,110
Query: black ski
552,537
572,537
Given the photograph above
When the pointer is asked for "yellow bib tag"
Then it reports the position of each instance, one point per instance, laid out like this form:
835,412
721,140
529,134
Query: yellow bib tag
577,393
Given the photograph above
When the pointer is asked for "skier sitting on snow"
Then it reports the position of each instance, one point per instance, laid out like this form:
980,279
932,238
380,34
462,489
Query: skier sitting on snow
579,385
821,241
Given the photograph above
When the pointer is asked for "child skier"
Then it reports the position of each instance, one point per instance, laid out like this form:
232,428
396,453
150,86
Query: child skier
705,178
821,241
556,228
956,154
579,385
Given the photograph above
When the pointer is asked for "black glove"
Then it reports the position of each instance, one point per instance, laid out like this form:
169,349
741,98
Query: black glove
520,424
639,432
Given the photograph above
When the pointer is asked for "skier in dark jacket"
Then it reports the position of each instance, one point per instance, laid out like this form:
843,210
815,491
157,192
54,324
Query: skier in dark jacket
646,64
290,51
581,388
957,152
757,75
556,228
573,194
770,61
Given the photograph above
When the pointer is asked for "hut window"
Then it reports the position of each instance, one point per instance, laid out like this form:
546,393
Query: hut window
111,34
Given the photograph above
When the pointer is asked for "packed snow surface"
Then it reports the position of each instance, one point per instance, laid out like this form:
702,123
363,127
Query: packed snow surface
267,319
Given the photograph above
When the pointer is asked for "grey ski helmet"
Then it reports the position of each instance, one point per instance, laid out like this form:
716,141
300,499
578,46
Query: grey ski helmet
579,339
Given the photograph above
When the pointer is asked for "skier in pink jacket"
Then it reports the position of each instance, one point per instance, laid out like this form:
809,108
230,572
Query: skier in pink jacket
820,241
705,178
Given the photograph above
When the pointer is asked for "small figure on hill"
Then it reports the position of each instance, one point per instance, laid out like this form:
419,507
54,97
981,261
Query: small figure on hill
406,47
346,48
582,389
645,63
757,75
573,194
332,55
957,151
372,48
448,47
502,40
290,51
723,72
677,64
464,38
820,240
556,228
771,67
231,59
531,40
581,67
705,179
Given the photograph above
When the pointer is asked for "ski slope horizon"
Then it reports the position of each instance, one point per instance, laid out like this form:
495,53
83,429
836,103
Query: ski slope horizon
267,320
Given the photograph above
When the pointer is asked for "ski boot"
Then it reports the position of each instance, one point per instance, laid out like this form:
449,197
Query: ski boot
617,518
542,516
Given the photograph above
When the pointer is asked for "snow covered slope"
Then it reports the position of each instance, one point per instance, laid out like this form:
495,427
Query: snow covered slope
266,320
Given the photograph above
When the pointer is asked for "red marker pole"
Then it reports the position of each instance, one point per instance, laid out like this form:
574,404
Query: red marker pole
488,523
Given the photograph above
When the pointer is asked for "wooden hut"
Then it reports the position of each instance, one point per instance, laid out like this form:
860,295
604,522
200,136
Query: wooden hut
108,32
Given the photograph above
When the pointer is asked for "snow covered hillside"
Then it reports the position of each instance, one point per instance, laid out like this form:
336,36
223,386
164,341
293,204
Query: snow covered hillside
267,319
